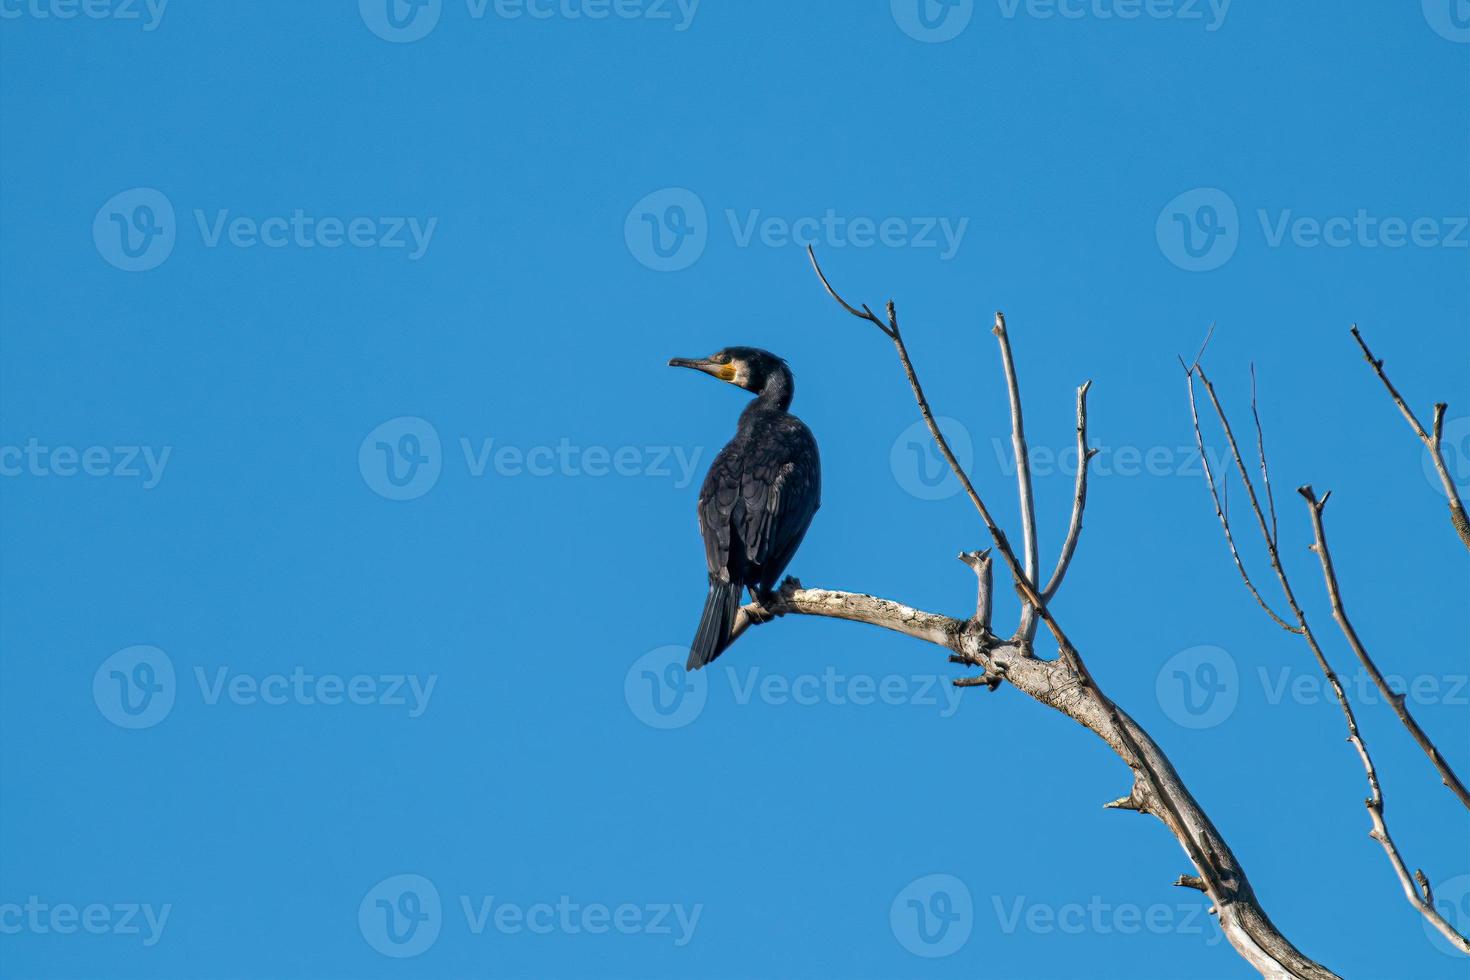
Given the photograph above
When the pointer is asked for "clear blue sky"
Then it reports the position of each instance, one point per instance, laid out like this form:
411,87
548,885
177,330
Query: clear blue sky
254,253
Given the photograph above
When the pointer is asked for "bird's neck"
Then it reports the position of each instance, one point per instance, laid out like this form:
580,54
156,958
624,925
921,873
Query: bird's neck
779,389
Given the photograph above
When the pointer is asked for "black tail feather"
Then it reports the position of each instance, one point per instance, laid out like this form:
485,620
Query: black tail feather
714,626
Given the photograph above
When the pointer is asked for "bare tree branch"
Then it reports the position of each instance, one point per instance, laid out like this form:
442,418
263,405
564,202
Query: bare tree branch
1220,512
1432,440
1261,451
891,331
1027,628
1375,800
1067,685
1079,498
1157,788
983,565
1394,698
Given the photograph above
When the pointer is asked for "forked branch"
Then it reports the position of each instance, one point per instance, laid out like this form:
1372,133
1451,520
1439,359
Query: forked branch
1433,440
1395,698
1374,801
1064,684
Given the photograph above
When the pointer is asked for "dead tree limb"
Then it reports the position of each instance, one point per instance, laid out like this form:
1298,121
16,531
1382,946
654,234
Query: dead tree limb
1026,631
1157,788
1374,802
1395,698
1433,440
1064,684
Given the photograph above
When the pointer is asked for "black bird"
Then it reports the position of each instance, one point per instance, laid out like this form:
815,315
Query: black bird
759,496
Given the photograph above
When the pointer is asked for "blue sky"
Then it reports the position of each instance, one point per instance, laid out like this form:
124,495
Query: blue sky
348,531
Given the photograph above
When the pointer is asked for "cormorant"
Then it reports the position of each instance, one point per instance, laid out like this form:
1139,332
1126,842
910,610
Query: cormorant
759,496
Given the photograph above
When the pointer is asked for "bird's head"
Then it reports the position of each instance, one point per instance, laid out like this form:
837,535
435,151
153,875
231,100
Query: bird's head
745,367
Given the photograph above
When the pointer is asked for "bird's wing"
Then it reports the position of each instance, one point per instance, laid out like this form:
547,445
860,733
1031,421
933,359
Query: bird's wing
780,497
718,499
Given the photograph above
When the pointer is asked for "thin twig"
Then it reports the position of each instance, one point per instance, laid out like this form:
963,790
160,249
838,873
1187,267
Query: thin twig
1079,498
1220,511
983,566
1261,451
1432,440
1152,774
892,332
1355,737
1027,628
1394,698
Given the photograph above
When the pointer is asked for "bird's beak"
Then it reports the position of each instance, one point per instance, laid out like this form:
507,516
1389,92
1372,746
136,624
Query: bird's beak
724,372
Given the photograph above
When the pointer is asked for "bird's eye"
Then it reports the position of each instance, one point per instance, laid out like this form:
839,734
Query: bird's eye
721,358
